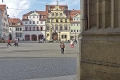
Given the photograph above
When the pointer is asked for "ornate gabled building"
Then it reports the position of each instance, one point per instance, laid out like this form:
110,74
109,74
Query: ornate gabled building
4,25
15,28
57,22
75,28
34,25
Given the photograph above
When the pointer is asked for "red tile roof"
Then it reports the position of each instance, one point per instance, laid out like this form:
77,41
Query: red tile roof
15,21
25,16
3,8
72,13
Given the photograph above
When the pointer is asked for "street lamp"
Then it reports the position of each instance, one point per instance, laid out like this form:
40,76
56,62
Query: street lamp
59,36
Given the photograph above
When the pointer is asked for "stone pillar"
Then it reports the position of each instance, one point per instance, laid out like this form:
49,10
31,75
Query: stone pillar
83,14
112,13
103,14
99,48
98,14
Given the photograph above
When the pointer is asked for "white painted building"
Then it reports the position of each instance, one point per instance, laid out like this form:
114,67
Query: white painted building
75,27
15,28
34,25
4,25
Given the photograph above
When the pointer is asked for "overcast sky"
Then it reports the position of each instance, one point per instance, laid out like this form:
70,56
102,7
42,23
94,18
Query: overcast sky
16,8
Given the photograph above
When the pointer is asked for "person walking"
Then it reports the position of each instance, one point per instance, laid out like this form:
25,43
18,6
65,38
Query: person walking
62,46
72,43
16,42
8,43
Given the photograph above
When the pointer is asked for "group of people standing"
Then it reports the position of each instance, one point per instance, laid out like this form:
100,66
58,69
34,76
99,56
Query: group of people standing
15,42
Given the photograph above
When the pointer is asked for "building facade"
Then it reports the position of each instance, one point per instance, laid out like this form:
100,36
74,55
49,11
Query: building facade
57,23
34,25
15,28
75,24
4,25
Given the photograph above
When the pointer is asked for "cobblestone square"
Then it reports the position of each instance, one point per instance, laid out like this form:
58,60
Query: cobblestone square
36,60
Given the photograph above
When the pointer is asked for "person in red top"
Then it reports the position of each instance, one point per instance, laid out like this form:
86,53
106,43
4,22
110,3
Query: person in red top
62,46
8,43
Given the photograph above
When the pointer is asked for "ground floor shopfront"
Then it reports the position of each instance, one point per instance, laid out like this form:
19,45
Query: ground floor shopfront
33,36
58,36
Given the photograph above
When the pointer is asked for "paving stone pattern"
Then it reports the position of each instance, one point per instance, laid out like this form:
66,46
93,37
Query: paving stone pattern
32,68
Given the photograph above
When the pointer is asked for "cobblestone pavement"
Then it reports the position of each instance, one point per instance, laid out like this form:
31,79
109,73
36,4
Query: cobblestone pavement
36,60
32,68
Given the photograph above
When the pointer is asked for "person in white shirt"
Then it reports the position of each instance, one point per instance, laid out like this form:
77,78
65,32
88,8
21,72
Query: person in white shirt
72,43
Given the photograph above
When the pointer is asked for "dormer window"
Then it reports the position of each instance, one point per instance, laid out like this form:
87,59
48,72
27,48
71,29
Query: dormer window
18,23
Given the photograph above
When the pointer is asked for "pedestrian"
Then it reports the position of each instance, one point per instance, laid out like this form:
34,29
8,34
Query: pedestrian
16,42
62,46
72,43
8,43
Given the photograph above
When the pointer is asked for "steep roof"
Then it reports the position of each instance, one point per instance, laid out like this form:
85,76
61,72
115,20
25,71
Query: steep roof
3,8
15,21
72,13
39,12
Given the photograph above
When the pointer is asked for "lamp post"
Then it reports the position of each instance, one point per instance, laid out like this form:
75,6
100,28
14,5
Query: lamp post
59,36
75,34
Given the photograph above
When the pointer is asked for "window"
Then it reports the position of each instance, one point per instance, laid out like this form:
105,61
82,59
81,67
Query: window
29,22
33,22
29,16
17,35
77,30
56,20
33,28
71,30
41,22
56,14
20,34
37,28
64,36
56,27
37,16
47,34
17,29
30,28
77,24
41,28
52,14
10,29
61,20
33,16
74,30
25,28
65,20
61,28
25,22
20,29
60,14
47,27
52,20
37,22
66,27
